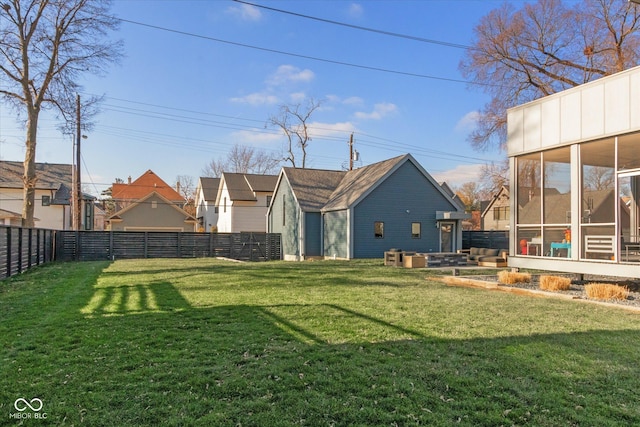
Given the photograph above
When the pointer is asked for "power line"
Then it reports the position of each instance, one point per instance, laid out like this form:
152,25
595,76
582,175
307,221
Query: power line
313,58
358,27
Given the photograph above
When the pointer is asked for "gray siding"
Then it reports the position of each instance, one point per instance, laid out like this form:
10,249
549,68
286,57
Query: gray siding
163,216
312,233
405,197
289,227
336,230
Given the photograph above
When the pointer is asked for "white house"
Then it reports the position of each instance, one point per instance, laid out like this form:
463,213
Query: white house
243,200
206,209
575,169
52,208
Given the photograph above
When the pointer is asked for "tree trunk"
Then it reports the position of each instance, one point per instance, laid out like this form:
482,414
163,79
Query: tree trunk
29,176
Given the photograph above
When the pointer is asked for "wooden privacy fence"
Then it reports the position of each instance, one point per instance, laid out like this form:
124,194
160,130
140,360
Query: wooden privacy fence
497,239
22,248
112,245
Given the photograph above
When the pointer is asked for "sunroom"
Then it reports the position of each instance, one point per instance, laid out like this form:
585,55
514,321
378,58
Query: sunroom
575,179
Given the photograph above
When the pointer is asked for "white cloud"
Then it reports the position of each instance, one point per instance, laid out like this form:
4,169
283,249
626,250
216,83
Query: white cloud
247,136
246,12
256,99
356,10
468,122
319,129
459,175
297,97
353,100
290,74
379,111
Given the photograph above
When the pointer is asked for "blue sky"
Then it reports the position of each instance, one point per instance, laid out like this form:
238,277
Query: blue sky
178,100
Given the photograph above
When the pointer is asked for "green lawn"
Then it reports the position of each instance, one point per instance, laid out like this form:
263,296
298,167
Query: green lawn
209,342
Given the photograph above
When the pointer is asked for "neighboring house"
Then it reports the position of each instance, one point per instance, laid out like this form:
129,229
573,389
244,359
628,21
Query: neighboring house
99,217
11,218
125,194
243,200
364,212
206,209
584,143
149,204
154,212
496,215
52,208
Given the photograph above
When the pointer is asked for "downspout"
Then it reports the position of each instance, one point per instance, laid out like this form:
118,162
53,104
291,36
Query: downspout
301,238
350,248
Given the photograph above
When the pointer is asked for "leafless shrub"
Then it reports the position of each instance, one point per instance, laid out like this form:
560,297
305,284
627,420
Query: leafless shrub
510,278
606,291
555,283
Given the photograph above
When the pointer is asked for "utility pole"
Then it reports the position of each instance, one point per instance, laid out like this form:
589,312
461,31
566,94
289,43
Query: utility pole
351,152
77,189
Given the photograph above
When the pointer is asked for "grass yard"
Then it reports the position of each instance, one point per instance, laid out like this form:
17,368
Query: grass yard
209,342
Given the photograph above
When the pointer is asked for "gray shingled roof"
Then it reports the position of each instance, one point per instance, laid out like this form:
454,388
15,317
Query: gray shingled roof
237,186
358,182
50,175
313,187
261,183
209,187
318,190
241,186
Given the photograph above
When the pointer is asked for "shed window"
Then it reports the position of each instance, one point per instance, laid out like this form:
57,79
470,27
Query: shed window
378,229
46,200
154,204
501,212
269,201
415,230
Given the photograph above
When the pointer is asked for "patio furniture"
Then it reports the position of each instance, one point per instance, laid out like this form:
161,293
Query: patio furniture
558,245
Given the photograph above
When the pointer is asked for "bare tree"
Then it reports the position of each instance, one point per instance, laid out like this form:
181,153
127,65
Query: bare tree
493,176
470,194
598,178
187,189
293,120
544,47
45,45
243,159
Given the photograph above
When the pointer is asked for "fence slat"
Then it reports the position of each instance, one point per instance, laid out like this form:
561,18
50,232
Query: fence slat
110,245
22,248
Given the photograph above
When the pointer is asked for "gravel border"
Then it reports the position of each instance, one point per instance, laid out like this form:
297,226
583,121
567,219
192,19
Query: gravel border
576,290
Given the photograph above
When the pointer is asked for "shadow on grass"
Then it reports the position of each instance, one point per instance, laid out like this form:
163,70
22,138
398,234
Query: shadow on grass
133,299
167,363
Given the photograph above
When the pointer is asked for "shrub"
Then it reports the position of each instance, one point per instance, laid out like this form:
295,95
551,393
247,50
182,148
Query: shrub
510,278
606,291
554,283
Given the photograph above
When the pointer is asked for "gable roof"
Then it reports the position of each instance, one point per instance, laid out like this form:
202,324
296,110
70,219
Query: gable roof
144,199
147,183
358,183
312,188
323,190
49,175
243,186
209,187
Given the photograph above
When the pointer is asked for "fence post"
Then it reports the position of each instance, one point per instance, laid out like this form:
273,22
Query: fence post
19,250
38,247
9,251
29,247
179,245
